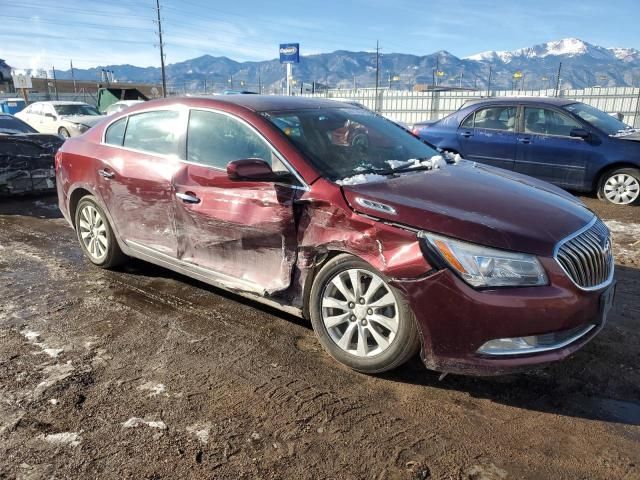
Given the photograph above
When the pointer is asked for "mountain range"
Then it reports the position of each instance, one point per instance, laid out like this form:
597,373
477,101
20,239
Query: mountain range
583,65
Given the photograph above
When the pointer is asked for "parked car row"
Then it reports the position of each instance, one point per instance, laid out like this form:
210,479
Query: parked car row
567,143
333,213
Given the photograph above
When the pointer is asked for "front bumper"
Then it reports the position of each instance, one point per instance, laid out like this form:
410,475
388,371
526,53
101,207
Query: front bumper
456,321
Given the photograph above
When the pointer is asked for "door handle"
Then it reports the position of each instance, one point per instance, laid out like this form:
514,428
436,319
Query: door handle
467,134
106,173
525,140
188,197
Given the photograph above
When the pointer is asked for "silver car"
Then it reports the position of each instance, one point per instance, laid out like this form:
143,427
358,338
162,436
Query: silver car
67,119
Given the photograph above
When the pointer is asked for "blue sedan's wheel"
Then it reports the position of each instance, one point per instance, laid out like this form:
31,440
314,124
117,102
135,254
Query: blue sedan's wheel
621,187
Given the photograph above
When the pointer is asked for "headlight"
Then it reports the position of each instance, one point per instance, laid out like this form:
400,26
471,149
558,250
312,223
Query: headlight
487,267
80,127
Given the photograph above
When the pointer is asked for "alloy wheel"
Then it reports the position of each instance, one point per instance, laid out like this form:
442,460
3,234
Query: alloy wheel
622,189
93,233
360,312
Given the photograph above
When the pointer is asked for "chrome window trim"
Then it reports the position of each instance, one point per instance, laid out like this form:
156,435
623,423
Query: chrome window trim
546,348
556,249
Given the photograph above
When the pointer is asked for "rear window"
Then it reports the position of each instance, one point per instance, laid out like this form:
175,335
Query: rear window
154,132
115,132
10,124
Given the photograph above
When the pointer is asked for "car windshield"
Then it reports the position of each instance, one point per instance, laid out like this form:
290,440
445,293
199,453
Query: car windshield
12,126
343,142
599,119
76,109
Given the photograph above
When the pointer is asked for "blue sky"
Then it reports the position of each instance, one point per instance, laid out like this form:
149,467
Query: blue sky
39,34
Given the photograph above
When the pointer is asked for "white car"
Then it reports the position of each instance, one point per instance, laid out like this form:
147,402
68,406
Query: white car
67,119
120,106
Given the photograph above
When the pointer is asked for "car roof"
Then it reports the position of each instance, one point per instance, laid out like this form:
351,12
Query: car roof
559,102
256,103
60,102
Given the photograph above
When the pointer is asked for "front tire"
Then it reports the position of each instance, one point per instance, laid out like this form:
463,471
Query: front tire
620,186
95,234
64,133
361,320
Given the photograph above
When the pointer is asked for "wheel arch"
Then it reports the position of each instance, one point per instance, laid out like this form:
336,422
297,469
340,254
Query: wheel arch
599,176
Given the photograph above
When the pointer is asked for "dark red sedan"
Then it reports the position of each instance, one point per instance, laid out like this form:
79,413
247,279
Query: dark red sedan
385,246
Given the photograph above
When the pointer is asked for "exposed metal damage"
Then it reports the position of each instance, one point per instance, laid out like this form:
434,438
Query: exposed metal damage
27,163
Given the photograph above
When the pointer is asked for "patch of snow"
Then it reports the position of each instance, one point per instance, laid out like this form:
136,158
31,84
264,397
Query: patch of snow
362,178
135,422
53,352
434,162
32,337
53,401
153,388
72,439
631,229
29,335
54,374
200,431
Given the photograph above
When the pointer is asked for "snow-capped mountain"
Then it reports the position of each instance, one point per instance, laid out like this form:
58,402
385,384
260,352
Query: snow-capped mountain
567,47
583,65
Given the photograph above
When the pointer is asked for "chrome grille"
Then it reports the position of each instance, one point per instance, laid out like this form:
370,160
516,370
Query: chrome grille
587,257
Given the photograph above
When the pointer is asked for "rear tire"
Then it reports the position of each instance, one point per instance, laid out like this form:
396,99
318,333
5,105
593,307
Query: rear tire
370,328
95,234
620,186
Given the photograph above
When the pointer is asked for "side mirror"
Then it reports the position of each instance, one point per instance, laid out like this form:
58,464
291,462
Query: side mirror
580,133
254,169
50,115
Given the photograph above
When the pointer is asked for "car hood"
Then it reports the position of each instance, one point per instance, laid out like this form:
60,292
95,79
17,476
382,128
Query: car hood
88,120
479,204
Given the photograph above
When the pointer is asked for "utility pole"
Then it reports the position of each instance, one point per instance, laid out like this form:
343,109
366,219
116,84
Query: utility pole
489,83
55,81
377,72
259,80
73,77
164,78
558,80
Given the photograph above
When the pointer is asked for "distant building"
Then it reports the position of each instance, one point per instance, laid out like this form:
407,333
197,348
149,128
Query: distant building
5,71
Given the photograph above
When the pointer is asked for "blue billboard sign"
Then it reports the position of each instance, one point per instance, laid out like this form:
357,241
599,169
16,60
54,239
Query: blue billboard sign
289,53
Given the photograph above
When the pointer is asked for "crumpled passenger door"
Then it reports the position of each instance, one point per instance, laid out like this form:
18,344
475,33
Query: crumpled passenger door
242,231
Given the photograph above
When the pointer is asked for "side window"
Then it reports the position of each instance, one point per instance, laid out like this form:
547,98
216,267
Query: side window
154,132
216,139
496,118
115,132
468,122
548,122
36,109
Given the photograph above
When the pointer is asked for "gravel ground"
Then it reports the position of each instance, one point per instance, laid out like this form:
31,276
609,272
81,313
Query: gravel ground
142,373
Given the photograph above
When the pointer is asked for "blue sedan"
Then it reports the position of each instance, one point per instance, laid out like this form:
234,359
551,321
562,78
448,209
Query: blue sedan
564,142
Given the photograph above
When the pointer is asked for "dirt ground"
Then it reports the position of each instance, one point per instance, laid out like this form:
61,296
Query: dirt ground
143,373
